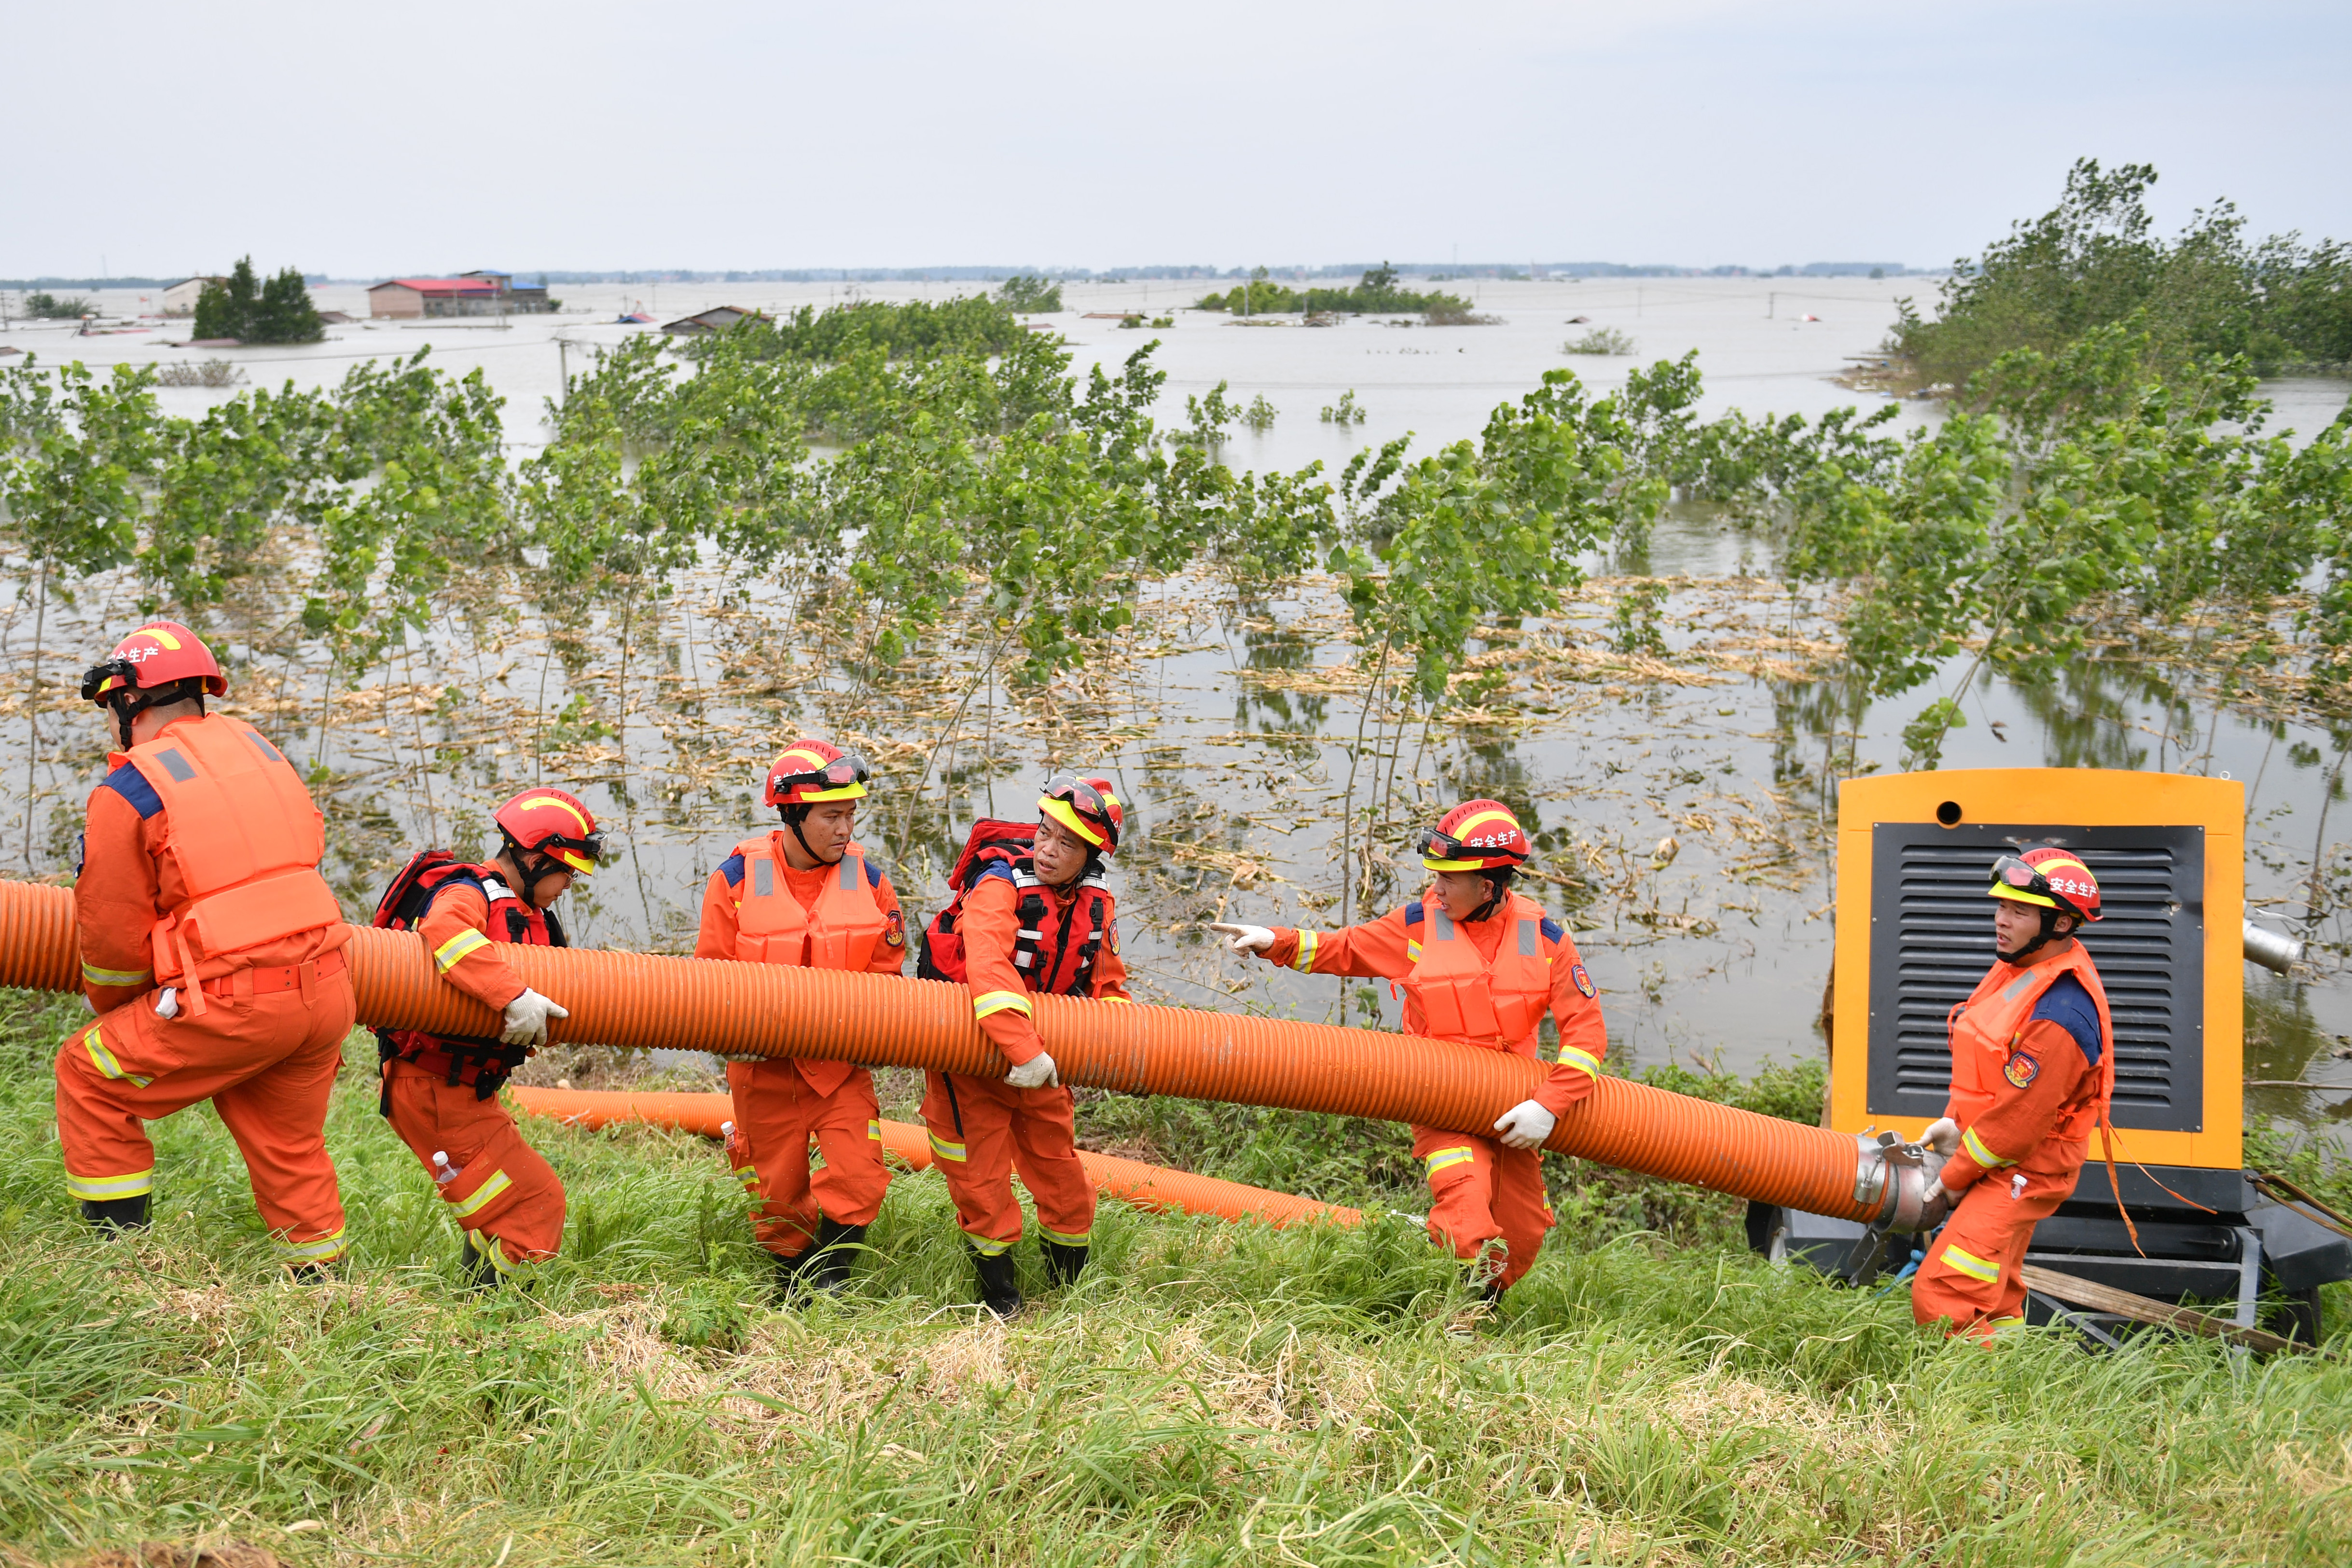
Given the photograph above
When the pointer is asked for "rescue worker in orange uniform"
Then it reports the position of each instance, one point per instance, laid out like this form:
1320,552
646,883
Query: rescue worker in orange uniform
805,895
2032,1072
1479,964
1040,923
211,950
440,1093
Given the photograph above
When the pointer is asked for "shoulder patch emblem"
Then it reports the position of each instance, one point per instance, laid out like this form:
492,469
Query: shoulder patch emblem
894,928
1576,971
2022,1070
1114,933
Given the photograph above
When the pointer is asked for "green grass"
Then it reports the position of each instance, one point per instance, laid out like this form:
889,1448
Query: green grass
1212,1394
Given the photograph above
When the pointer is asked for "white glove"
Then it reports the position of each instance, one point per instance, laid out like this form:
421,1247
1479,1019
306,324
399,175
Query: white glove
1244,938
1037,1072
1526,1125
1943,1136
526,1019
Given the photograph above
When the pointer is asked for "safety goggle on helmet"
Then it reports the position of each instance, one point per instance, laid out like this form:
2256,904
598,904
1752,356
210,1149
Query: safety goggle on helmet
1476,836
812,773
1087,807
2048,879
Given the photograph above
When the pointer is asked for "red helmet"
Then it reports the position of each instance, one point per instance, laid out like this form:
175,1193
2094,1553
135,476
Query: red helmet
811,772
1476,836
2050,877
158,654
1087,807
552,823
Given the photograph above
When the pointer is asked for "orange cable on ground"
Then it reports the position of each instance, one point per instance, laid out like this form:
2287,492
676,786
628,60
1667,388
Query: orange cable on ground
1131,1182
650,1002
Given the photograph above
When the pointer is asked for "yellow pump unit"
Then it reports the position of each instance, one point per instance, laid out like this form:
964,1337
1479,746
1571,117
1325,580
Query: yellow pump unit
1914,935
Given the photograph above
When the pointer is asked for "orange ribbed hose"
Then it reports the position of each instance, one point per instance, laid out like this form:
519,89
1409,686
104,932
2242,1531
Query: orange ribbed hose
1131,1182
650,1002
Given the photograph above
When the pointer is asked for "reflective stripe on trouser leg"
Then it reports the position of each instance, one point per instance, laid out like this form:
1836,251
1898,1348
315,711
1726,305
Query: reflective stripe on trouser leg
1080,1240
320,1249
485,1245
100,1189
976,1159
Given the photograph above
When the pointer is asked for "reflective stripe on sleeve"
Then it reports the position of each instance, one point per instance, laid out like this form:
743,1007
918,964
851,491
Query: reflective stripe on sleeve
1413,950
1304,959
1969,1264
97,977
989,1002
1569,1057
498,1183
99,1189
873,1131
944,1150
446,957
1979,1154
103,1059
1443,1158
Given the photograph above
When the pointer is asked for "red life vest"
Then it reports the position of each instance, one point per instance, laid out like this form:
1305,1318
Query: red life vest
1043,950
1985,1028
247,840
1495,1002
483,1062
841,930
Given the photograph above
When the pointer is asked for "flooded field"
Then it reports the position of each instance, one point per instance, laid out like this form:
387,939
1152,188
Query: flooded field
1685,798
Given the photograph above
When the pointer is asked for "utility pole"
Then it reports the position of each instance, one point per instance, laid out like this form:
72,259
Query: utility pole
1771,303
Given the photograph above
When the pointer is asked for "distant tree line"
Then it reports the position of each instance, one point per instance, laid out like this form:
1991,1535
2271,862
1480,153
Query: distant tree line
2093,261
253,311
1377,293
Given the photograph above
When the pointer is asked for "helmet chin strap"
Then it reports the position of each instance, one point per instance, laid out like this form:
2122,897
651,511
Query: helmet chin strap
794,824
1496,887
529,875
129,707
2049,919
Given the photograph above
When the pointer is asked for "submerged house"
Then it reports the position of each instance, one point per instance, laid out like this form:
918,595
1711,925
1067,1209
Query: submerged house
717,319
482,293
179,298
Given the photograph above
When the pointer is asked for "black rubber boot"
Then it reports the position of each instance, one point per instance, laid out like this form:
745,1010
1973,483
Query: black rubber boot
788,1272
117,1214
835,1253
481,1273
1063,1264
998,1292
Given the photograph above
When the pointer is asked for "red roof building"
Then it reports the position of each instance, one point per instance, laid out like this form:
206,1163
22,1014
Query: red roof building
475,294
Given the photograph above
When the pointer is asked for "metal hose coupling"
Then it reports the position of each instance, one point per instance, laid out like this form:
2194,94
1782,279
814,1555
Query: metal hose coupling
1896,1181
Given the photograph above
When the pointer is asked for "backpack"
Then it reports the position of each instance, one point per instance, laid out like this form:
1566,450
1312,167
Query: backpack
409,895
939,954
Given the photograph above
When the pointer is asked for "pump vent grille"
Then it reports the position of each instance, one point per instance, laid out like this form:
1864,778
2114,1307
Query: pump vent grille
1931,940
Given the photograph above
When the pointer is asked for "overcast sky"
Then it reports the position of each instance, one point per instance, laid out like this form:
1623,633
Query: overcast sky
364,140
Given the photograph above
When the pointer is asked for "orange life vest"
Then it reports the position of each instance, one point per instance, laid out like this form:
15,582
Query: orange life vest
840,933
1985,1028
1497,1004
246,839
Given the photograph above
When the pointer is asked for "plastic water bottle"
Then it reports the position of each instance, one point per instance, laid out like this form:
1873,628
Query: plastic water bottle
443,1173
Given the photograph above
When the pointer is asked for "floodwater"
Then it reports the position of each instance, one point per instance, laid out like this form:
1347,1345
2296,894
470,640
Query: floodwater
1718,954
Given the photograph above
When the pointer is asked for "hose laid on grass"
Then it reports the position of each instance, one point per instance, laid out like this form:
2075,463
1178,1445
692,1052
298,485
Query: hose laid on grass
647,1002
1131,1182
